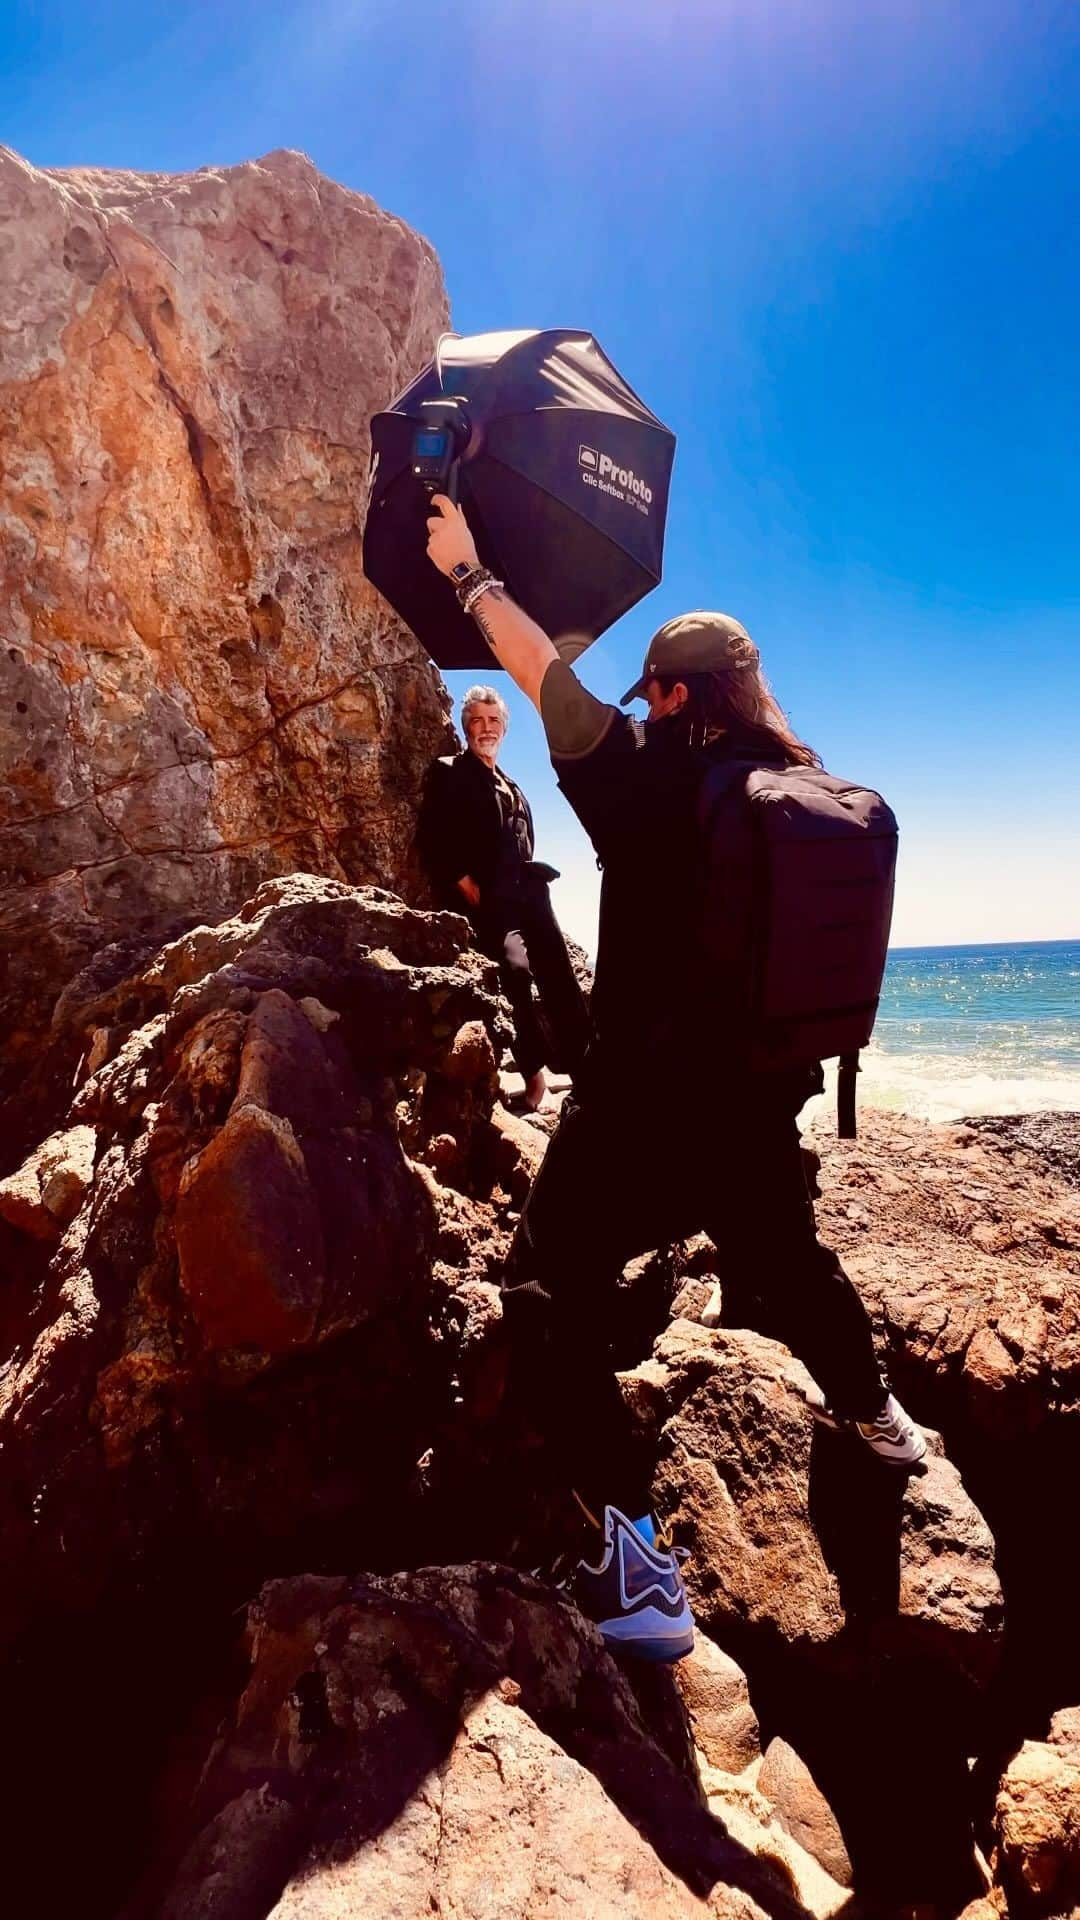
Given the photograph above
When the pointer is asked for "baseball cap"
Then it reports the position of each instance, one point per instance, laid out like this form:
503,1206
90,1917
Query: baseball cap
694,643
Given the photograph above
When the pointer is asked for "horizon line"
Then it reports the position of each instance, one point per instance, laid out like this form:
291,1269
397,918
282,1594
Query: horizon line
954,946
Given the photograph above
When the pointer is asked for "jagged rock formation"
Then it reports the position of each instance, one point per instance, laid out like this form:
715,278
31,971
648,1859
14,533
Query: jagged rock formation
268,1338
966,1245
251,1329
264,1099
197,687
255,1198
1049,1137
1037,1823
488,1757
850,1631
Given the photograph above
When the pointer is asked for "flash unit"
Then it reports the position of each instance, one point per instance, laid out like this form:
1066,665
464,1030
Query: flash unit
440,435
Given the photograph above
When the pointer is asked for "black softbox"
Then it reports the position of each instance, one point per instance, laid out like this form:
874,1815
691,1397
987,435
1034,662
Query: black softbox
564,483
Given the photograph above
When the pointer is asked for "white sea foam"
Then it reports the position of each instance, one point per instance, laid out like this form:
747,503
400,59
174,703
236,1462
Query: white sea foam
943,1086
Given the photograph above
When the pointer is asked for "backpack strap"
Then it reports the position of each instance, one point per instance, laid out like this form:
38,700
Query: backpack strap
724,775
845,1096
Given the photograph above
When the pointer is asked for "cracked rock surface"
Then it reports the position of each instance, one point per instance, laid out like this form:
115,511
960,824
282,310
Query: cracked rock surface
454,1743
198,689
250,1333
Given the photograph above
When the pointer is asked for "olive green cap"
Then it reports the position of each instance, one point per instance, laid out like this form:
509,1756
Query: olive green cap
694,643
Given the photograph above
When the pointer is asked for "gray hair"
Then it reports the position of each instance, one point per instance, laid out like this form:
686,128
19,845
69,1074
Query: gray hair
484,696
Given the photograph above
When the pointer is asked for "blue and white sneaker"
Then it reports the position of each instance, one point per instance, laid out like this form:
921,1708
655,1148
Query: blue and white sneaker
893,1436
635,1595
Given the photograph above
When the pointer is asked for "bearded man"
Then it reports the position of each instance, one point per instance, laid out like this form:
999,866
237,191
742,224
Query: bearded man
476,841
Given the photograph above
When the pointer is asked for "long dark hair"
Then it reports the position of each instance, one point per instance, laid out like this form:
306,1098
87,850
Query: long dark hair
737,700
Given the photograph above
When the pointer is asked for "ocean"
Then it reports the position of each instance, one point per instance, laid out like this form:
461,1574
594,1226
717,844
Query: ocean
966,1030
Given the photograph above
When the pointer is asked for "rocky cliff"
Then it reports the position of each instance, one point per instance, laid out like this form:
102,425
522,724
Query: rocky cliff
252,1335
197,687
269,1640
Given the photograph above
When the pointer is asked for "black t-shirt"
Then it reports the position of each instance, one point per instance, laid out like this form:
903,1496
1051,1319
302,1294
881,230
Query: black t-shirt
635,790
658,1002
515,839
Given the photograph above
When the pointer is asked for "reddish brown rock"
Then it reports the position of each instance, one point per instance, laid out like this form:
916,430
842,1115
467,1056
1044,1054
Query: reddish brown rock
456,1741
199,687
48,1190
508,1826
714,1692
251,1200
853,1597
761,1496
1037,1820
286,1069
971,1260
471,1057
802,1809
519,1154
249,1237
981,1331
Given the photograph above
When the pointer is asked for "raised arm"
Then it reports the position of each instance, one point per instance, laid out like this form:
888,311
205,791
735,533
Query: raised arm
517,642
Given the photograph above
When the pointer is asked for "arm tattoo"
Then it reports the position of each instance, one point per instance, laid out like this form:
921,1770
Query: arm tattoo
493,593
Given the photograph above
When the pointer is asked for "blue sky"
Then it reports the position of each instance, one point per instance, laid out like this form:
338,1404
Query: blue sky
834,247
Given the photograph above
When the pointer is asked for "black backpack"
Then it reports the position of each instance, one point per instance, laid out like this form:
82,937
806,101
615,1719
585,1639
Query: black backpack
799,870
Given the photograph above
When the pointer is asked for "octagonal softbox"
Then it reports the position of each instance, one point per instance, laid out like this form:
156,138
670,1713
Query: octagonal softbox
564,483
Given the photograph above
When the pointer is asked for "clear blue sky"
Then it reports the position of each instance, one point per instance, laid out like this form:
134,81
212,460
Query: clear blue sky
833,244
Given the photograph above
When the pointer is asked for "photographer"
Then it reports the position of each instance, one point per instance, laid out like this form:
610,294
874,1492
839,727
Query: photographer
476,841
670,1132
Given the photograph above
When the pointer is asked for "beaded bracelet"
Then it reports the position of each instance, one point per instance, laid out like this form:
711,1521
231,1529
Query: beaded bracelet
481,587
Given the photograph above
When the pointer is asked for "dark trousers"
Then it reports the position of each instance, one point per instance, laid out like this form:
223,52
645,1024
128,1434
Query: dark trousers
627,1173
523,935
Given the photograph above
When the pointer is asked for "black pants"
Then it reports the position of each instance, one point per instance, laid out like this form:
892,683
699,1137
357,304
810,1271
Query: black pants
523,935
631,1171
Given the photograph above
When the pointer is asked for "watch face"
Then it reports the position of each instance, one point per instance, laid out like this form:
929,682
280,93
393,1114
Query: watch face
459,572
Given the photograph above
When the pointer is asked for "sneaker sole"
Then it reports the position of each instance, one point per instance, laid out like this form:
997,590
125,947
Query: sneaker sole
650,1634
881,1451
891,1456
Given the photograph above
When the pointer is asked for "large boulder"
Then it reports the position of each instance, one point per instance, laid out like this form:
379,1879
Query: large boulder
45,1194
240,1252
765,1501
862,1604
802,1809
199,687
254,1330
246,1323
965,1244
453,1741
1037,1823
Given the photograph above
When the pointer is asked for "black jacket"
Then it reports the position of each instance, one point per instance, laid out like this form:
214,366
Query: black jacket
460,827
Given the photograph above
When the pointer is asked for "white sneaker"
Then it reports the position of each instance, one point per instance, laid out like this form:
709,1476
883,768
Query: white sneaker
893,1436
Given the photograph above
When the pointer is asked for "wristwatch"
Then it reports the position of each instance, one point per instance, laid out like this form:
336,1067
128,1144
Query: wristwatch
461,571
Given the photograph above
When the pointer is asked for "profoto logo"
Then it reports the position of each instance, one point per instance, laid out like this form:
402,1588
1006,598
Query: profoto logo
600,470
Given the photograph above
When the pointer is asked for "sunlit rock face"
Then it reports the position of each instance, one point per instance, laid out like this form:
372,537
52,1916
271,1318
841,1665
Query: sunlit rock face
198,689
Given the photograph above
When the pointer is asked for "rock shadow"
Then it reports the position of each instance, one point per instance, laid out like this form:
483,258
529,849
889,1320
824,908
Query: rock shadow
856,1507
359,1694
882,1717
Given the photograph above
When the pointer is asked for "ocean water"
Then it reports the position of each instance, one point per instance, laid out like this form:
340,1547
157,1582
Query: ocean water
965,1030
